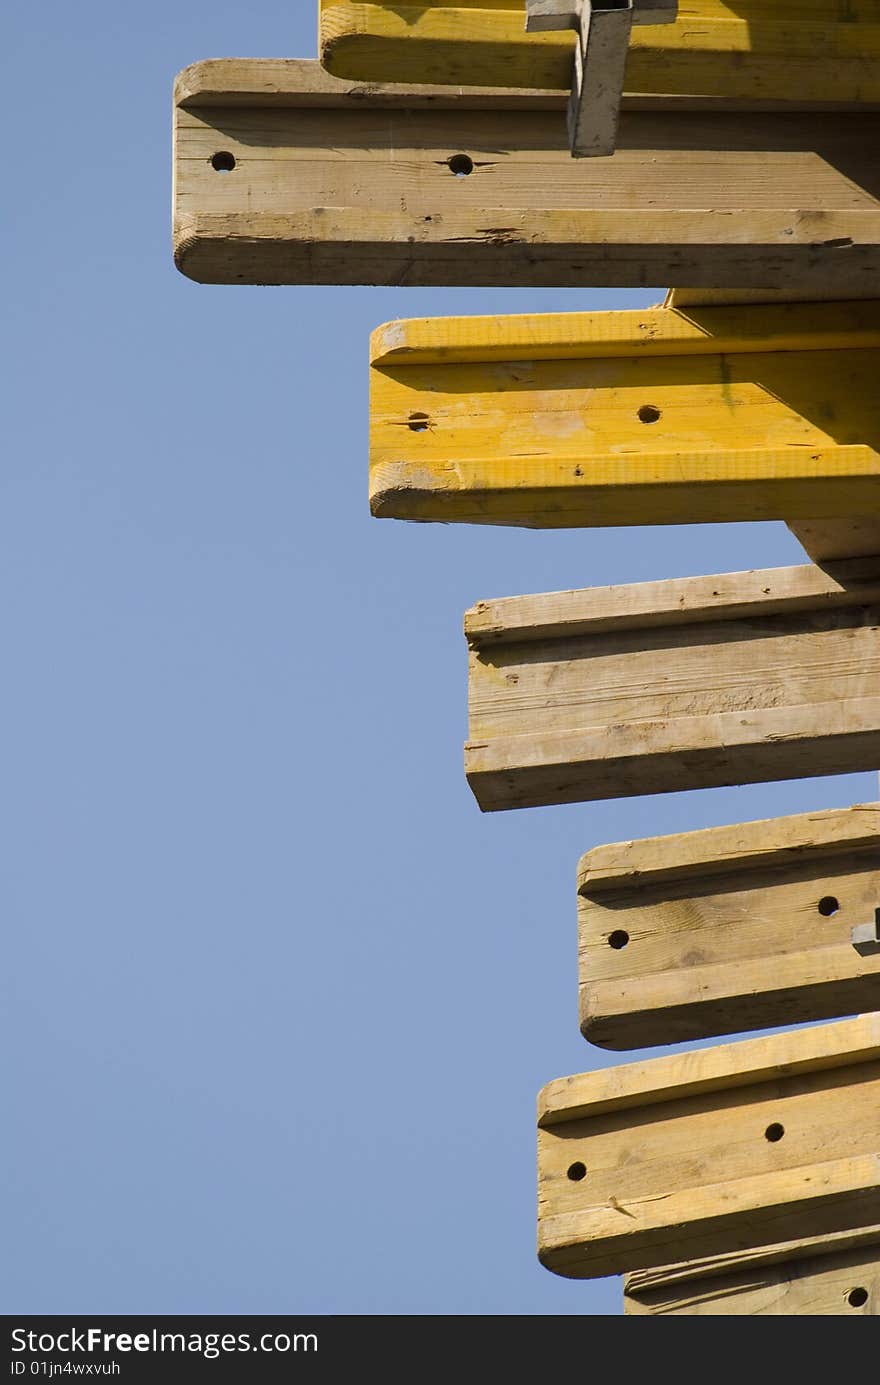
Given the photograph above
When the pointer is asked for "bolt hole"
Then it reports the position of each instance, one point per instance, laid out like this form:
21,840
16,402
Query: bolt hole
774,1132
618,939
419,423
857,1298
577,1171
828,906
649,414
462,165
223,161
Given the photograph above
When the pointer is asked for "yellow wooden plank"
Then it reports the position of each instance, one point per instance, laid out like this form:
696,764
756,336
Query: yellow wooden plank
823,539
686,331
285,175
577,697
793,50
653,417
728,930
844,1284
755,1144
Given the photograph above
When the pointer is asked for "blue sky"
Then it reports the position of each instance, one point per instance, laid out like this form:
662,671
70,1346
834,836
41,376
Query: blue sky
277,998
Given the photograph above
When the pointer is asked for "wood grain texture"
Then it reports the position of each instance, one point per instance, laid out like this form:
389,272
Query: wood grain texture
797,50
339,183
578,696
823,539
725,1067
829,540
711,1153
832,1285
754,1260
728,930
669,415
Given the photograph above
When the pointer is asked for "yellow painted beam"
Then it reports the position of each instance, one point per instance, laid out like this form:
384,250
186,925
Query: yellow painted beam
664,416
797,51
712,1152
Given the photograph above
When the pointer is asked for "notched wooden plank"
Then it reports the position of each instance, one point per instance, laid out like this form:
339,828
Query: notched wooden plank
604,693
752,1145
728,930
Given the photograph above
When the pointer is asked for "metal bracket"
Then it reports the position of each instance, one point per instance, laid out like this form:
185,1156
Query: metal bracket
603,28
866,938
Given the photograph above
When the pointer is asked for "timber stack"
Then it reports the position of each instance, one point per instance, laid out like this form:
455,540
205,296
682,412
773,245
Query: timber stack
731,147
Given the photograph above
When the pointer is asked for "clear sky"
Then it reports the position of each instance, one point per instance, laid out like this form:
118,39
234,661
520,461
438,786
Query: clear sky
278,999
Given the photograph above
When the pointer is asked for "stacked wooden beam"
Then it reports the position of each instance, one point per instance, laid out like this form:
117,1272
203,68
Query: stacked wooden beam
735,1179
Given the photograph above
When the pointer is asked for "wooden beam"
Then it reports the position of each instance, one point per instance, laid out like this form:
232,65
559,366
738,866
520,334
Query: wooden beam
661,416
733,48
284,175
830,1285
585,695
728,930
745,1145
823,540
757,1259
829,540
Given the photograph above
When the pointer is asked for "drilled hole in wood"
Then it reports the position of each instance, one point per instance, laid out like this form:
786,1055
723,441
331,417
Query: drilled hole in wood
419,423
649,413
857,1298
223,161
618,939
774,1132
828,906
577,1171
462,165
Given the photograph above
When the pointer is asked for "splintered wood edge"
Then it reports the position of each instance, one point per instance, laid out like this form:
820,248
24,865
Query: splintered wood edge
664,331
744,1262
673,601
742,1064
823,540
770,842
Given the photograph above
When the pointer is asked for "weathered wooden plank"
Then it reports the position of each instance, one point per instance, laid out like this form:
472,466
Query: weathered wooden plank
829,540
796,50
302,82
756,1259
659,416
831,1285
742,678
712,1152
283,175
728,930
